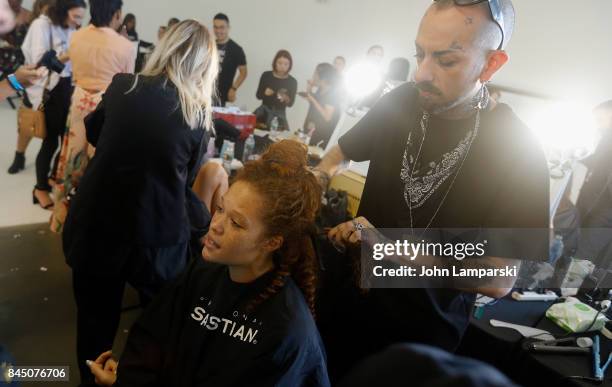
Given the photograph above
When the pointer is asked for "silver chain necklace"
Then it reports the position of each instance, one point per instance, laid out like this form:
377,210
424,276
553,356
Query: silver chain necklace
480,104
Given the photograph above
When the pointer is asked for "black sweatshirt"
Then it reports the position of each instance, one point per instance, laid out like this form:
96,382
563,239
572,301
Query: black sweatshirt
196,334
284,85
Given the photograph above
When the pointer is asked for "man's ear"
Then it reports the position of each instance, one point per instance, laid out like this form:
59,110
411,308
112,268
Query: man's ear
495,61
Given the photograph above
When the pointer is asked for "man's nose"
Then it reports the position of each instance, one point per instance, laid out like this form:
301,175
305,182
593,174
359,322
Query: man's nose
424,71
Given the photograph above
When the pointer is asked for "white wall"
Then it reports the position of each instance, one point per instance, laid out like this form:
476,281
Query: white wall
311,30
560,47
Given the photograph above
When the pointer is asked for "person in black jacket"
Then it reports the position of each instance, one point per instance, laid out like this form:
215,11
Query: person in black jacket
595,201
132,217
276,90
325,104
242,315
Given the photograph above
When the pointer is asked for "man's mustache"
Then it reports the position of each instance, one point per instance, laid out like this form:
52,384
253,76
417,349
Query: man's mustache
428,87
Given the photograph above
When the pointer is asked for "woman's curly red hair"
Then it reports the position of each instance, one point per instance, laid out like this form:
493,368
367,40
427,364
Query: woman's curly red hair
292,197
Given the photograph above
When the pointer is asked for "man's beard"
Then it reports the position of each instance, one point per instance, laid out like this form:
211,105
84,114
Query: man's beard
436,108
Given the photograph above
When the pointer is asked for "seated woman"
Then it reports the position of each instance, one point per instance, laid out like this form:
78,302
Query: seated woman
325,105
276,90
242,315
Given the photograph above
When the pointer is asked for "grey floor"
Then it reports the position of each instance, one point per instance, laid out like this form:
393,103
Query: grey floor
37,311
16,190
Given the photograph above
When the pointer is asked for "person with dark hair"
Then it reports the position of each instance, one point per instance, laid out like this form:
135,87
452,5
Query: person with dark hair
51,32
325,104
399,70
242,315
97,53
67,13
440,158
40,7
105,13
376,53
173,21
129,23
231,59
277,90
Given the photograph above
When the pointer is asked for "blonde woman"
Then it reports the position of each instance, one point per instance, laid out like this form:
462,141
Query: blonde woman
129,220
97,53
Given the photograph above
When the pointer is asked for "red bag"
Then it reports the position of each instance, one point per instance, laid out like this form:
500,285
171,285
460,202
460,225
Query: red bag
245,122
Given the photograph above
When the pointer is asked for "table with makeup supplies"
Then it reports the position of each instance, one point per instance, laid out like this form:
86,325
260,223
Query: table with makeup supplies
510,352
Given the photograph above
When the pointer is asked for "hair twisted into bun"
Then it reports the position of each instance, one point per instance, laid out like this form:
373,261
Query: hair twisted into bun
292,197
286,158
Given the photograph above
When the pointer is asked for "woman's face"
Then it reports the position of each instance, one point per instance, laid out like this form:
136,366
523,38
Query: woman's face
75,17
237,234
282,65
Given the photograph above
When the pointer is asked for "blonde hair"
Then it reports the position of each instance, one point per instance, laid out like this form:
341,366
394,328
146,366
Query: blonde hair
187,55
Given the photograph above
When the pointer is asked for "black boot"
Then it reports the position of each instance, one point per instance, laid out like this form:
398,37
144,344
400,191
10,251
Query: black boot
18,163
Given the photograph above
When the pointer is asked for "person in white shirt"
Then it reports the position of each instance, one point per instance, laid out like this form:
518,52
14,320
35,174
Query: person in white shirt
51,31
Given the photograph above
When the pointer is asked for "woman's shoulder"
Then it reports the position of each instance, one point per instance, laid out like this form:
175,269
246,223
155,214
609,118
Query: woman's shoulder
39,24
294,323
291,308
120,81
137,83
42,20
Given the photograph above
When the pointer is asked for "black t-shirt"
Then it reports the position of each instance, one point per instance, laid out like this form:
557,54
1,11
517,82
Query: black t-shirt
196,334
231,56
503,183
323,129
286,86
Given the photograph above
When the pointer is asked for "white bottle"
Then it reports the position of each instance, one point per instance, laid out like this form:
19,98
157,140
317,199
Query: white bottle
249,149
228,156
274,127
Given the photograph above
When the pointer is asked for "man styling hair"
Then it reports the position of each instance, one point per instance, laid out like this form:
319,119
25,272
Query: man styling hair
441,157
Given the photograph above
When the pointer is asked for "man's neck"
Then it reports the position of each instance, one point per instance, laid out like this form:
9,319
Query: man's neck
464,109
460,112
223,41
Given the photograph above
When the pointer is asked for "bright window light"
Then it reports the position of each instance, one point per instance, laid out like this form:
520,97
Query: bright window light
362,79
567,129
